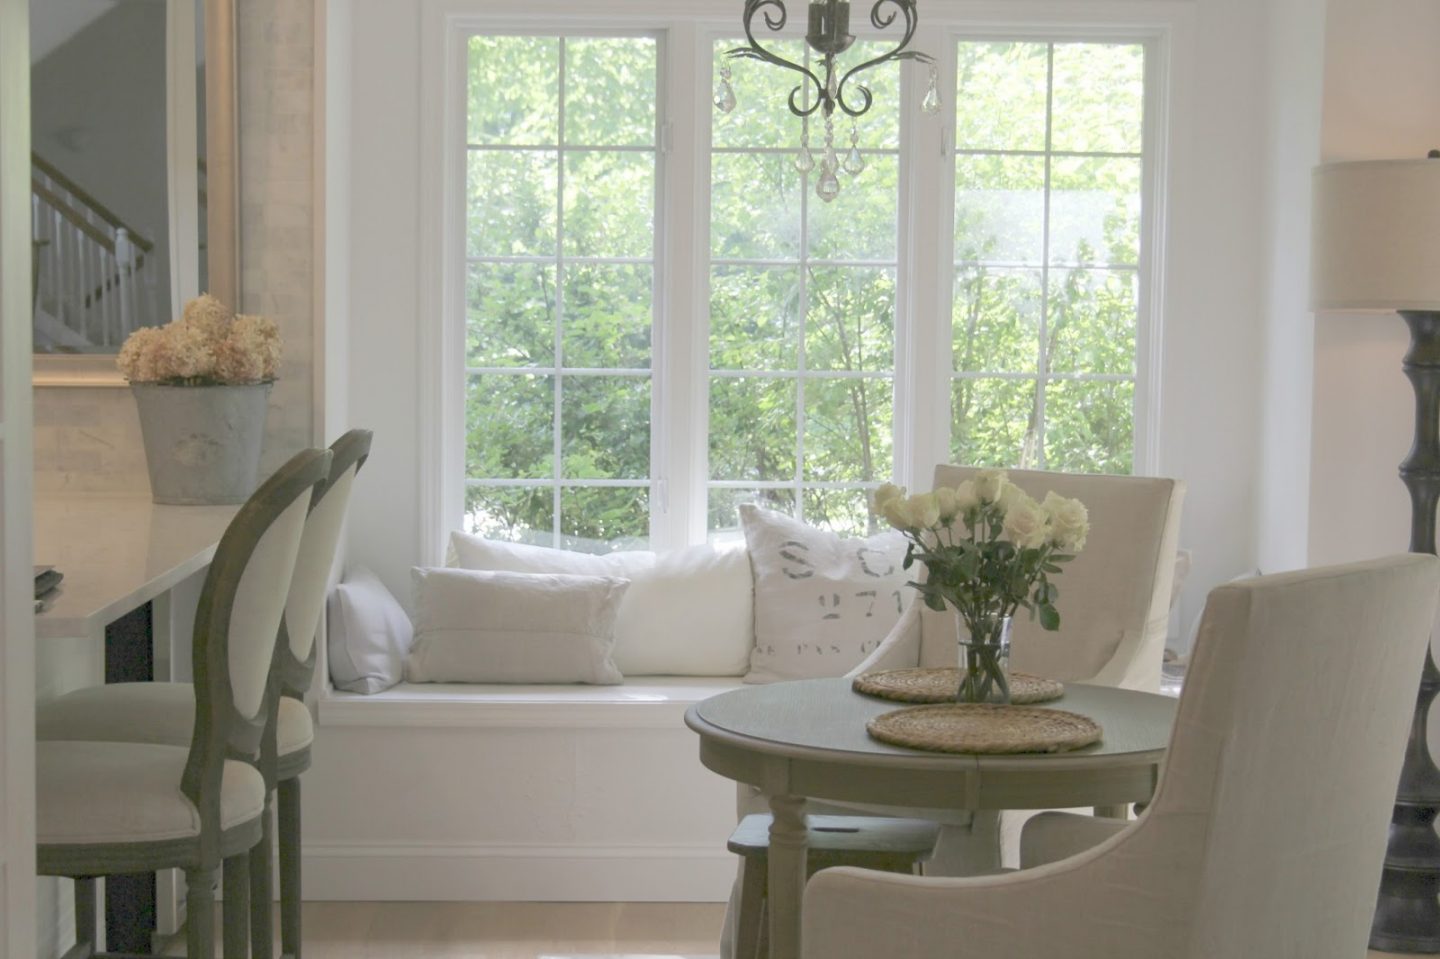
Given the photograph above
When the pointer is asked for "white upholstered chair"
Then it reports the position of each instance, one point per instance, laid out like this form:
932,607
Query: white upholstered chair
161,712
1114,597
1267,832
107,807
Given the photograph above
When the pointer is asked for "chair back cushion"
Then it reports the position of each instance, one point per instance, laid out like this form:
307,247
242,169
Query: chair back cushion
1114,596
1286,751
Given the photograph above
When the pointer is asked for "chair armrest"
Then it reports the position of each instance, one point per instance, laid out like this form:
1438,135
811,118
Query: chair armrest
1052,836
898,650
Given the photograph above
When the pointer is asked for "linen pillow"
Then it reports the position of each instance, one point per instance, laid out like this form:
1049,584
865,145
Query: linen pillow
368,634
482,627
822,602
688,612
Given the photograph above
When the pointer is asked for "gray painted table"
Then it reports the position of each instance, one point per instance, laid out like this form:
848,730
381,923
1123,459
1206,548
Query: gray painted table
807,739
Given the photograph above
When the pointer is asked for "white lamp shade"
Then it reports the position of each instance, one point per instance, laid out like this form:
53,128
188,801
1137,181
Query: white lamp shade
1375,236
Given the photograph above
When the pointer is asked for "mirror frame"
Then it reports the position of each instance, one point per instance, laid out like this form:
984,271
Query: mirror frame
222,220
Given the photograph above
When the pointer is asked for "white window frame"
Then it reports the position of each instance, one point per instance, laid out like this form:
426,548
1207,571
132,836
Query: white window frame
680,346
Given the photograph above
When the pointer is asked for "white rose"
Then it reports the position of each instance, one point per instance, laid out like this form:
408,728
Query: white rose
893,509
925,510
1069,522
949,507
989,484
966,498
1026,524
885,494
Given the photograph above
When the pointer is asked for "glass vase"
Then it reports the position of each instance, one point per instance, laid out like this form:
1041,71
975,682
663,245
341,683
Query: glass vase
984,661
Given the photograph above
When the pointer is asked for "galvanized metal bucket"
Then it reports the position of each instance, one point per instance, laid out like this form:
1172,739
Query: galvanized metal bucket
202,443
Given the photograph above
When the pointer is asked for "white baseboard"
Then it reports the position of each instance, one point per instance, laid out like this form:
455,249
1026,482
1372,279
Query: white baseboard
510,872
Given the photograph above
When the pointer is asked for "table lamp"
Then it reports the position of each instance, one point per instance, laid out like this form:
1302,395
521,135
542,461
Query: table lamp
1375,245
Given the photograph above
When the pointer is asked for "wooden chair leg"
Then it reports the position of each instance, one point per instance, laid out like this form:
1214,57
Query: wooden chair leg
85,910
750,919
289,852
200,914
236,909
262,923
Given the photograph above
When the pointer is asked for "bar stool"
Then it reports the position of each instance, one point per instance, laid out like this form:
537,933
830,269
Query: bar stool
106,807
872,842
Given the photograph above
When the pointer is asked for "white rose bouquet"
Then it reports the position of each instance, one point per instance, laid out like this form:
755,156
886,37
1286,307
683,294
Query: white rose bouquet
990,549
207,346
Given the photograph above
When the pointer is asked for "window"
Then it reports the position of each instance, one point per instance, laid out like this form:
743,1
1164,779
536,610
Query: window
560,190
1047,241
620,391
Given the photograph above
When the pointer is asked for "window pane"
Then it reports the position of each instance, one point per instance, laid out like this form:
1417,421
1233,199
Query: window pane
1092,321
609,204
1000,96
992,423
602,520
605,423
851,321
514,90
610,91
511,203
754,318
510,315
509,423
752,429
519,514
1089,426
1095,211
999,209
996,327
880,128
762,90
724,509
1099,97
754,207
848,430
860,223
608,315
846,512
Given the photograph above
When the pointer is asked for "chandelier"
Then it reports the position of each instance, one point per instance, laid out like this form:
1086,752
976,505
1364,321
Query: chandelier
825,88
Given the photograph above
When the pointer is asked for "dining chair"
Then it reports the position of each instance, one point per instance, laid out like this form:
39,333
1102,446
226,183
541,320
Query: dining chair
160,712
107,807
1267,832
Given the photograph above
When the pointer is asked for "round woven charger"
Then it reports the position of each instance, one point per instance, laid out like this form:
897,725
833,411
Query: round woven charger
984,728
938,685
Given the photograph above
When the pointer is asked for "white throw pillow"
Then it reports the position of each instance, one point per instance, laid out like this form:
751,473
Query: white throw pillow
687,613
368,635
822,602
484,627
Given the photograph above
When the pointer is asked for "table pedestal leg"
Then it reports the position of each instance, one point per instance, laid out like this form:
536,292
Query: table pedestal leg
969,850
1113,812
787,875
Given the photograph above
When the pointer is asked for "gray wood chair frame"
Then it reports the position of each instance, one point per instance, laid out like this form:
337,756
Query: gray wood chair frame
292,674
221,732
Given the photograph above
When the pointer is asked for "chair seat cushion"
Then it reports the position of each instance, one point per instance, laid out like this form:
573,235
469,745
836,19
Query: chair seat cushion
108,792
162,713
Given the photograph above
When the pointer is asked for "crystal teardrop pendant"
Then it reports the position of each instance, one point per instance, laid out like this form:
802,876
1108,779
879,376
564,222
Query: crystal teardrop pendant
804,160
724,93
827,187
854,162
931,103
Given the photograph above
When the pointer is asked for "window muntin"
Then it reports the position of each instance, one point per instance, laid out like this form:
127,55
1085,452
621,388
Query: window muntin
802,306
1047,253
561,178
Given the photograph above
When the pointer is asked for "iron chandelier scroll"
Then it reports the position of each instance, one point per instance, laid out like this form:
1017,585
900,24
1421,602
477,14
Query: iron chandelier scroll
828,35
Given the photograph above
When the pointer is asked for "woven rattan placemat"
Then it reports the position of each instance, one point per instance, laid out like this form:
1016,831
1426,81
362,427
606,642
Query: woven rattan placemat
938,685
983,728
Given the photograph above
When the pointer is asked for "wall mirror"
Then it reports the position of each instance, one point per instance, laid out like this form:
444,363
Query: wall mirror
133,173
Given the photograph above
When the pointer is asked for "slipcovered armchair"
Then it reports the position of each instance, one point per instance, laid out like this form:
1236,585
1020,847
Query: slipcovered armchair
1297,679
1114,597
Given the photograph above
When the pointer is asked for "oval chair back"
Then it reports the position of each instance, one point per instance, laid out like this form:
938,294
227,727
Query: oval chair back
295,652
236,624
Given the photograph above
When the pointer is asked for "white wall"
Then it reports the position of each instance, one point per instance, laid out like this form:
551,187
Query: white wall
1213,307
1381,101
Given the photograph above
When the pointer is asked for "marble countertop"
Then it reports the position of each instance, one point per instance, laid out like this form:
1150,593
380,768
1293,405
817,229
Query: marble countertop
116,552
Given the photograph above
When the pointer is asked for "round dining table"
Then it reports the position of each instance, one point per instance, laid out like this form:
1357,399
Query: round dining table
807,739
